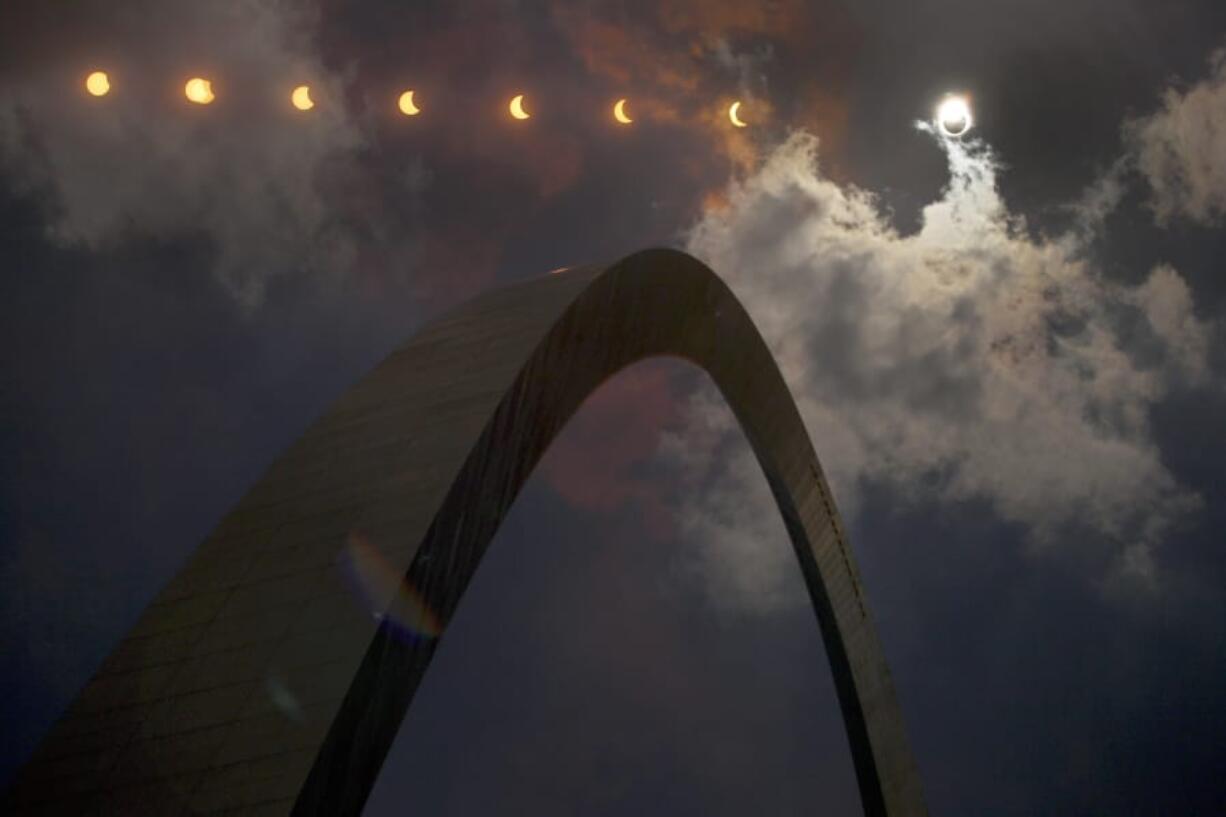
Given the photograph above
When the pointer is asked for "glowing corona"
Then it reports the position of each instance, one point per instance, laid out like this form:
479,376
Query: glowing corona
953,116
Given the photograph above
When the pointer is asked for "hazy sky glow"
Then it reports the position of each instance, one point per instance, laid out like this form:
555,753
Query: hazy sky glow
1007,347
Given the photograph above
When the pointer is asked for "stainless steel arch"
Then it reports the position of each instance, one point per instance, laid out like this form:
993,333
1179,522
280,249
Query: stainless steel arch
255,681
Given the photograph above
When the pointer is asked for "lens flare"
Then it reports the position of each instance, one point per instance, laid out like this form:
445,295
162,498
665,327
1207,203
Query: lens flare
199,91
98,83
953,116
390,595
282,698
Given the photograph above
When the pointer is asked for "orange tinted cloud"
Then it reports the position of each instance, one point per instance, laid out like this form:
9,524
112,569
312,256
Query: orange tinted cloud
679,62
627,56
775,18
687,60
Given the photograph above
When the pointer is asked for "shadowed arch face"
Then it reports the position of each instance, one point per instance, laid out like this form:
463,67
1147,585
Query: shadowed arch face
409,475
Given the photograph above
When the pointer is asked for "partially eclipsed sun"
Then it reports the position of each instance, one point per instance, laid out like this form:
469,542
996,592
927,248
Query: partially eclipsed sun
301,97
407,106
619,112
517,108
199,91
734,117
98,83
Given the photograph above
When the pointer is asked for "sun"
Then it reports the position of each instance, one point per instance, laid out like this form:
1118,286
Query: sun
407,106
199,91
619,112
301,98
98,83
517,108
953,116
734,117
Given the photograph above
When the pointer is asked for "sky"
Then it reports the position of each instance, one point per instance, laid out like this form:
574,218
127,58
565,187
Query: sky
1007,349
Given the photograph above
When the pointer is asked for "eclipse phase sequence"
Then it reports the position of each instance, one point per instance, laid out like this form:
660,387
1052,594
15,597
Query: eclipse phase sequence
952,117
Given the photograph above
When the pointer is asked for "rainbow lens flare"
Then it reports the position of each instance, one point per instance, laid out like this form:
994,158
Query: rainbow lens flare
392,598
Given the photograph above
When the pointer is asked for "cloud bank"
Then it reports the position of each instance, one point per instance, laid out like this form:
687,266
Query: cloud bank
969,361
1180,149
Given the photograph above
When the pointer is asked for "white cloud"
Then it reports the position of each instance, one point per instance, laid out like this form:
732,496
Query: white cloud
256,178
966,361
1181,150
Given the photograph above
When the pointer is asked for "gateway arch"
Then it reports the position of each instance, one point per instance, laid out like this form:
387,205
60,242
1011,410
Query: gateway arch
259,682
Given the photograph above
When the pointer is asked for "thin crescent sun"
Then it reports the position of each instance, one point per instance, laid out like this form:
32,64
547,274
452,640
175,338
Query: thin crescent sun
732,115
407,106
517,108
619,112
301,97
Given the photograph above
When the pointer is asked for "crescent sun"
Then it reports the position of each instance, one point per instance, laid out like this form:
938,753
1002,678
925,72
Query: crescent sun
301,97
619,112
732,114
517,108
407,106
